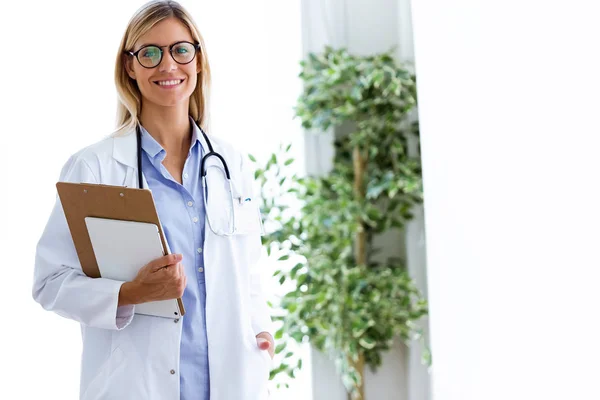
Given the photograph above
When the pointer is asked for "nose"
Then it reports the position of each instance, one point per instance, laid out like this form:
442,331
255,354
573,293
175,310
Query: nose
167,63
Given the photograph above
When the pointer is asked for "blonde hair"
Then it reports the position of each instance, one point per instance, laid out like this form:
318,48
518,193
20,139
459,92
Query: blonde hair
129,97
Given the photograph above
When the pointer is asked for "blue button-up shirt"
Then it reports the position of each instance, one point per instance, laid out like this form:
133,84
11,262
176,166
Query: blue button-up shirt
180,208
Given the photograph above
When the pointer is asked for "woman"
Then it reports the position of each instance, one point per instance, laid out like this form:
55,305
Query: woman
222,347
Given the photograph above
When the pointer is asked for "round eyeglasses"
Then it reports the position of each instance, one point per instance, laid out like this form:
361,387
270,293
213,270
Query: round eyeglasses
151,55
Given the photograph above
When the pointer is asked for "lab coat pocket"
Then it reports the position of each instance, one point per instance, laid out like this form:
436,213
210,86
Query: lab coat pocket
246,211
247,217
99,388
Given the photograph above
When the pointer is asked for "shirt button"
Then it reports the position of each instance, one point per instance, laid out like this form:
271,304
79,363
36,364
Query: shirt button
176,320
190,203
199,250
195,219
185,176
200,269
172,372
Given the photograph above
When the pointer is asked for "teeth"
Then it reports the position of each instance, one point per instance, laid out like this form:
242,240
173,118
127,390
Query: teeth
169,83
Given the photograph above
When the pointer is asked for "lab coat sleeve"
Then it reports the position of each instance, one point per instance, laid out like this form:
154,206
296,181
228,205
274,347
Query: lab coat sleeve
59,284
261,312
261,315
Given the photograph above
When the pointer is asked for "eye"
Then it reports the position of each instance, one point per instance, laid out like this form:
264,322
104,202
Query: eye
149,52
181,50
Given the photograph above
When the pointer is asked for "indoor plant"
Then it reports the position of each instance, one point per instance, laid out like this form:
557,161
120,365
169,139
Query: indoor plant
348,305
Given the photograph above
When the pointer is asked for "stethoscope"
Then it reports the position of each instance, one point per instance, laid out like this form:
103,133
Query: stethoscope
203,170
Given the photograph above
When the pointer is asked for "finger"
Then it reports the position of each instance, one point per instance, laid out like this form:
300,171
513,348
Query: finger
172,259
174,271
180,272
263,343
165,261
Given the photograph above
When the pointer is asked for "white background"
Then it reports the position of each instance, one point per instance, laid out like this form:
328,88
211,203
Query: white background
509,100
58,96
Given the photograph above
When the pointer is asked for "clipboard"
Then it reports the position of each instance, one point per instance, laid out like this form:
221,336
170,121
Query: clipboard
81,200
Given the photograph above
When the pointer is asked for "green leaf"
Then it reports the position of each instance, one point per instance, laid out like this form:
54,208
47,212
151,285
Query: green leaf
252,158
289,161
367,343
374,191
279,348
295,269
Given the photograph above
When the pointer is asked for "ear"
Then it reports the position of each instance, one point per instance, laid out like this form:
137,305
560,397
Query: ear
127,61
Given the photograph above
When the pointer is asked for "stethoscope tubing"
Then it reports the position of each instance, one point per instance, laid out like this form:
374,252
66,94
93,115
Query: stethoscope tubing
211,153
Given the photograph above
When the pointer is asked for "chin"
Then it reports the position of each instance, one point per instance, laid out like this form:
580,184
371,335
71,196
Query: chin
170,100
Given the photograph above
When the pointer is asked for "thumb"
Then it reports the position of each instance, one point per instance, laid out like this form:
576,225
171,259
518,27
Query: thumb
263,343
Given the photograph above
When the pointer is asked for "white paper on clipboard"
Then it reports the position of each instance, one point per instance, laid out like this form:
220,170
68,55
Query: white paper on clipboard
122,248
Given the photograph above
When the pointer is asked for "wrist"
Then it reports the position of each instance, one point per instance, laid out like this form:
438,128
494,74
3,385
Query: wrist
130,294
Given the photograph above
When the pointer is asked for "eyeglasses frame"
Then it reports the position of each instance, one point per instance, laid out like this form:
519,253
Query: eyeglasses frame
162,52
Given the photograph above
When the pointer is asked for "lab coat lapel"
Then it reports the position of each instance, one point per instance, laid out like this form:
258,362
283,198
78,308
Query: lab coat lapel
125,152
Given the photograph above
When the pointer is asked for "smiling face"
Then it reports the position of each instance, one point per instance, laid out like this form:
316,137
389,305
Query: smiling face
169,83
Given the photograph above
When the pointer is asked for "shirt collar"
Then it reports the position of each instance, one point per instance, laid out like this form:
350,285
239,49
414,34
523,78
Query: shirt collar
195,134
153,148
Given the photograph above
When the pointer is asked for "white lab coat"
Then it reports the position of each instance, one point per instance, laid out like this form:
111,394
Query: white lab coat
136,357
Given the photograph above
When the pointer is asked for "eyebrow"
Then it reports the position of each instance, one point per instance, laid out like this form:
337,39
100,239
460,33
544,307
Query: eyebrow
167,45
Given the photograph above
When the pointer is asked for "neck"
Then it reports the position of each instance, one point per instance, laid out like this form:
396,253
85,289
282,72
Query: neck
169,126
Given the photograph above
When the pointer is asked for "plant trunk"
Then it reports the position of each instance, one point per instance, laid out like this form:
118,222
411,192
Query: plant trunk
359,191
360,369
360,249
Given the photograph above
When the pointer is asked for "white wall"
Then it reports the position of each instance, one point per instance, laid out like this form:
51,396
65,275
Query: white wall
508,101
319,28
418,376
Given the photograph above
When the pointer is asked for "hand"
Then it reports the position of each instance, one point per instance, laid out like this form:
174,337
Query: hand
161,279
265,342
